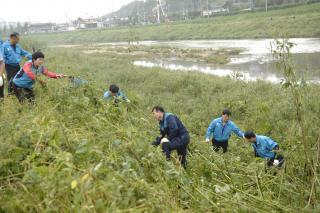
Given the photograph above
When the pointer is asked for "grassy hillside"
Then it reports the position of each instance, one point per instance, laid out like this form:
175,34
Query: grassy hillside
72,152
300,21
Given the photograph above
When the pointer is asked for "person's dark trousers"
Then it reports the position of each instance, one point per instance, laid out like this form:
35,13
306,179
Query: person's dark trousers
220,144
2,92
11,70
24,94
180,144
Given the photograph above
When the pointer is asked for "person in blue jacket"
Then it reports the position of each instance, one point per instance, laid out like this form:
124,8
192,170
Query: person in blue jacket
12,54
174,135
116,94
265,147
220,130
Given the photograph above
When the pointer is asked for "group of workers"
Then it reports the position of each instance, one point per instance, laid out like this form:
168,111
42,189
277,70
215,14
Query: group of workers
173,134
21,79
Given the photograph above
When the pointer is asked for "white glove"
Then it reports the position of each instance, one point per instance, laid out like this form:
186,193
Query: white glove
60,75
207,140
1,81
276,162
164,140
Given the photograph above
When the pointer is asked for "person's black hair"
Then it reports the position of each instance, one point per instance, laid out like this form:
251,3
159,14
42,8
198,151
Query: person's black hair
157,108
14,34
249,134
114,88
37,55
226,112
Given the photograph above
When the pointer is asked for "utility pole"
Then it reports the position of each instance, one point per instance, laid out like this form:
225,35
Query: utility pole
266,5
252,5
208,8
200,7
158,13
144,15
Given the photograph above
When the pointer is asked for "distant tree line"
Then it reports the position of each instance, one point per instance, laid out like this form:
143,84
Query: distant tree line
22,28
144,11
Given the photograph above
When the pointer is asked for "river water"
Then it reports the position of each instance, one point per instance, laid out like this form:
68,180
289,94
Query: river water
253,63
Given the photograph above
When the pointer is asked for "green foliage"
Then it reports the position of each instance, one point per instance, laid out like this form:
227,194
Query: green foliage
74,152
283,56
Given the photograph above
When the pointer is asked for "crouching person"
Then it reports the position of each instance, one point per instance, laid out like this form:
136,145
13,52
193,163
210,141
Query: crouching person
24,80
265,147
174,135
116,94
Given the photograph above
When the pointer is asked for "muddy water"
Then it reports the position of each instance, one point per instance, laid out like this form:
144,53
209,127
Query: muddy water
253,63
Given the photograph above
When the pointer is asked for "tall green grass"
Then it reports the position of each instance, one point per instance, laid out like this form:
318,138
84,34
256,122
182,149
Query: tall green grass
73,152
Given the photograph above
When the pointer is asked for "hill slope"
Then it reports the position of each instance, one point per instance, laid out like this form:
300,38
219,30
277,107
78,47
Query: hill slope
300,21
73,152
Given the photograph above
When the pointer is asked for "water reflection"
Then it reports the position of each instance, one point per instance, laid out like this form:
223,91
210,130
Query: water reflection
253,63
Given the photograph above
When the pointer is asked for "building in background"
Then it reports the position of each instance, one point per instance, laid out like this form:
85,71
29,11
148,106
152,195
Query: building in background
41,27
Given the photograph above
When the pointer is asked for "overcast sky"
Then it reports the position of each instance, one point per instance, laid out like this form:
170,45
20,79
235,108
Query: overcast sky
56,10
